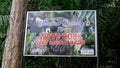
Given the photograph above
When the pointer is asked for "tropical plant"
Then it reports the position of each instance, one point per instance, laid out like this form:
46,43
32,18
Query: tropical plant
108,14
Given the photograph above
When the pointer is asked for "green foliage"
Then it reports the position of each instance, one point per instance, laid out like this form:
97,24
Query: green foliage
108,23
108,14
5,6
4,19
45,5
74,52
39,5
27,39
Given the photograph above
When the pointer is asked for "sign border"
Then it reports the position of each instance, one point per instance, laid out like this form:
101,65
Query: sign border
96,39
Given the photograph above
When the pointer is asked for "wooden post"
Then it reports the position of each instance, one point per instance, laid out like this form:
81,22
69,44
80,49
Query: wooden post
13,45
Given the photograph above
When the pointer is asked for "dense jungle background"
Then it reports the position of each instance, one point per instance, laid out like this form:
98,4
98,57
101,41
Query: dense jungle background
108,22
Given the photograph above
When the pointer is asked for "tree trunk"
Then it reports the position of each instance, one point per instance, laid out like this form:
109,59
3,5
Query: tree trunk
13,45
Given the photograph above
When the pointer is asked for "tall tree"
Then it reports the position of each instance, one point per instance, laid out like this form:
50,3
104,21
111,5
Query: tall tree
13,45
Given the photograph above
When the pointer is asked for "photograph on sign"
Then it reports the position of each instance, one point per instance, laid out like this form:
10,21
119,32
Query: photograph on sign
61,33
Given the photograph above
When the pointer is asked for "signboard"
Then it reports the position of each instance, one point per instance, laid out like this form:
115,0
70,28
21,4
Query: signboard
61,33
